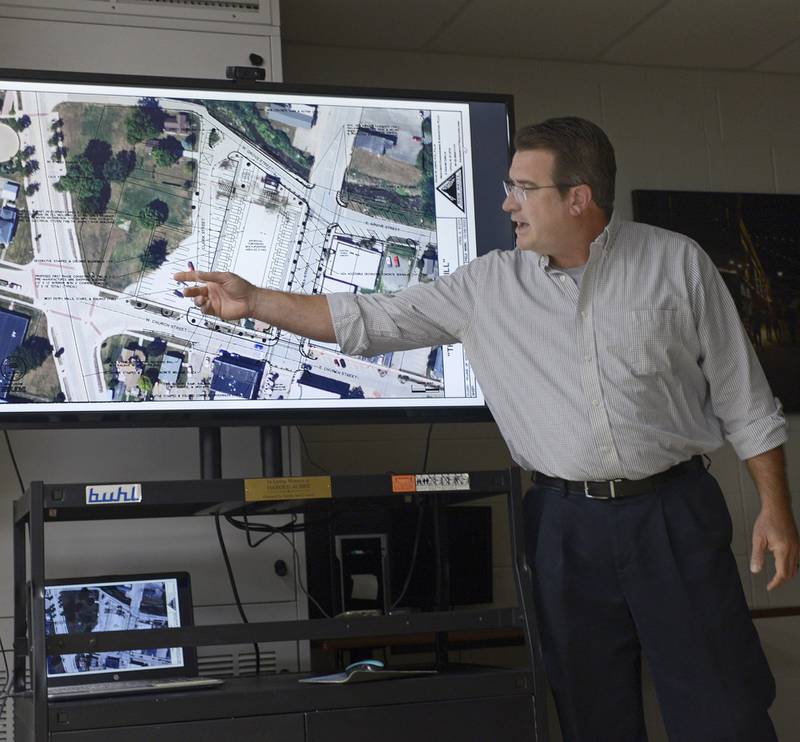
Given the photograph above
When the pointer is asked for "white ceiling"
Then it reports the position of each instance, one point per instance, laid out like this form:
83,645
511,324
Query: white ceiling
711,34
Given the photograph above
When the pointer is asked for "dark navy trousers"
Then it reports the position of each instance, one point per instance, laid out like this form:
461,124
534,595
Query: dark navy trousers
652,573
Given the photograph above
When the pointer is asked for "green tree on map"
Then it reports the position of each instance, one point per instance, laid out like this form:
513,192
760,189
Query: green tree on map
155,255
154,214
146,121
31,354
81,181
120,166
167,152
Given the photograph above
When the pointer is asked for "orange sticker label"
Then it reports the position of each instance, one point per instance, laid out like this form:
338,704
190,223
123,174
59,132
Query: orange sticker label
404,483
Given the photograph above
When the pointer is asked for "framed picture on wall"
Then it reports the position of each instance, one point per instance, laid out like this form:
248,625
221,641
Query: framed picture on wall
754,240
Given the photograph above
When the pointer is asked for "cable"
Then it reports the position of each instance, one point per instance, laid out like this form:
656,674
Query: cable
247,530
427,449
291,526
417,539
9,680
233,587
308,454
5,661
14,461
418,535
296,559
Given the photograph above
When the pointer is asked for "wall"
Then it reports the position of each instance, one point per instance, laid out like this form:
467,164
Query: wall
138,37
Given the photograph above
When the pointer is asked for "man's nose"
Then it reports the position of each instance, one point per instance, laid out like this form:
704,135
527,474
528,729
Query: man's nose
509,204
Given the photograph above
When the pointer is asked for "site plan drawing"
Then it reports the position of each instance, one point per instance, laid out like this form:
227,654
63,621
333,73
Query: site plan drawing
83,609
106,192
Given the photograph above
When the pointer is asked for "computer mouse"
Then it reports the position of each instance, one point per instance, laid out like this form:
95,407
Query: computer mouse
364,665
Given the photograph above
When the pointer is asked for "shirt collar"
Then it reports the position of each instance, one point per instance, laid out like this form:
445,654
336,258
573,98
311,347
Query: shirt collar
604,241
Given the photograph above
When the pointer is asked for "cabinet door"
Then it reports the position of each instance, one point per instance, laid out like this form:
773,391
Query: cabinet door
288,728
509,719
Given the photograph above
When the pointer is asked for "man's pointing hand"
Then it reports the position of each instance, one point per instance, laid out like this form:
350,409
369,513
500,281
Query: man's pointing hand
225,295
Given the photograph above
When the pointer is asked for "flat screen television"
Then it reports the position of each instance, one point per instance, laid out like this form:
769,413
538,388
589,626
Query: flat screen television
109,185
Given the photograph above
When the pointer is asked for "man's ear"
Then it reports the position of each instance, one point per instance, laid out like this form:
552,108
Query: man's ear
580,197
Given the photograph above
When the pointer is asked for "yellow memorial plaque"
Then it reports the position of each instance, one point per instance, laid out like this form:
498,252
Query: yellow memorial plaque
287,488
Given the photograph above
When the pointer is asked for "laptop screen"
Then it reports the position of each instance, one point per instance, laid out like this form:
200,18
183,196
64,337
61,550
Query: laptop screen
118,603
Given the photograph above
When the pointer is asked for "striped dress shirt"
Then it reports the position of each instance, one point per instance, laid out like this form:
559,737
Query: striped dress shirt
643,366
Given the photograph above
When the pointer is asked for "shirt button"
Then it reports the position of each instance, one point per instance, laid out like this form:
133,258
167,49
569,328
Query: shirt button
604,449
562,278
584,314
587,358
595,402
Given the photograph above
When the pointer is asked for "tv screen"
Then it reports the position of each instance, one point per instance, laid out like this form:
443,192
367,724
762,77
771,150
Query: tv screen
109,186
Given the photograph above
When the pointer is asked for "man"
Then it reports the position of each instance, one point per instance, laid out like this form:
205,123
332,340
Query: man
611,356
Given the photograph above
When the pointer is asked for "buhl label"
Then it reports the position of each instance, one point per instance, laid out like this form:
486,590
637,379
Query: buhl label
114,494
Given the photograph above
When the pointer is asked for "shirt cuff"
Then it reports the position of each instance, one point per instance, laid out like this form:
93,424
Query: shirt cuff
761,435
348,324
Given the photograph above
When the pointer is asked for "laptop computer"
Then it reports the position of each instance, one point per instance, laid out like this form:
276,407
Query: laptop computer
120,603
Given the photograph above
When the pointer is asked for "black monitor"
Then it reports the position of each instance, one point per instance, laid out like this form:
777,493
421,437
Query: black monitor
109,185
383,559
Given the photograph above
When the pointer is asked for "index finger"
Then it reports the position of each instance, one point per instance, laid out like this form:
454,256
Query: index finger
213,276
783,568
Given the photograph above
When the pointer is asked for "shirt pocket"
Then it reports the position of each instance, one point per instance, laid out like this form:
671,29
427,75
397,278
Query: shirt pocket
648,342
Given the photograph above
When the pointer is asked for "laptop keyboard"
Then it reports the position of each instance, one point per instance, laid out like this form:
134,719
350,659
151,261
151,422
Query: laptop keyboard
129,686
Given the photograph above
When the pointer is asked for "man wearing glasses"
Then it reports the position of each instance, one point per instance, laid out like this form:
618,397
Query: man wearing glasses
612,358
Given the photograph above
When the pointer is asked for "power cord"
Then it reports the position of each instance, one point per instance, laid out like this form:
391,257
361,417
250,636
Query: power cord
14,462
291,527
234,588
418,534
427,449
308,453
296,558
417,538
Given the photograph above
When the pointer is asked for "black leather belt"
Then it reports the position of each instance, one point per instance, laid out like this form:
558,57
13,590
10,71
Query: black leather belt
615,488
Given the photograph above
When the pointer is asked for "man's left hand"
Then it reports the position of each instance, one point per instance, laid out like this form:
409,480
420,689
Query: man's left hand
775,530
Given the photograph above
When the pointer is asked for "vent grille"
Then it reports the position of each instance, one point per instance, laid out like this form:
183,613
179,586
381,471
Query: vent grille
233,665
215,4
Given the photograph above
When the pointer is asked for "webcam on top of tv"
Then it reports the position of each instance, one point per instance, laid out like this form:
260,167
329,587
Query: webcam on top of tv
254,73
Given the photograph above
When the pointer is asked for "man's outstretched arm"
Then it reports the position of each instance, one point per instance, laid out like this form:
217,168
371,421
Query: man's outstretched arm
230,297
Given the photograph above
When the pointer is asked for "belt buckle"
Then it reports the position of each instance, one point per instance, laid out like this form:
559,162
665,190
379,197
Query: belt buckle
610,483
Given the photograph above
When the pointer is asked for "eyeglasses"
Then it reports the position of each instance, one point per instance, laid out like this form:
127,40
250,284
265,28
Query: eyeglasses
520,192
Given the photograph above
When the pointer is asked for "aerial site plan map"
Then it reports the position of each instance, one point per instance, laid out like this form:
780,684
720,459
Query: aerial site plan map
134,605
106,192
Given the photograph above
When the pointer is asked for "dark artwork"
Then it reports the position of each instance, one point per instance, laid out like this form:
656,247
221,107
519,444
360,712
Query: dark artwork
754,240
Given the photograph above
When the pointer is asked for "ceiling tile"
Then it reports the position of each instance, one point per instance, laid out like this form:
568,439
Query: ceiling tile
786,60
713,34
354,23
540,30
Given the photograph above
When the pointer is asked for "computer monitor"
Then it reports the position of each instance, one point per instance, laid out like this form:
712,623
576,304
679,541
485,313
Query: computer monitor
110,185
119,603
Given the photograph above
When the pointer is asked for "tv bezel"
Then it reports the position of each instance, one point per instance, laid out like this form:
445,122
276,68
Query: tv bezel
185,416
